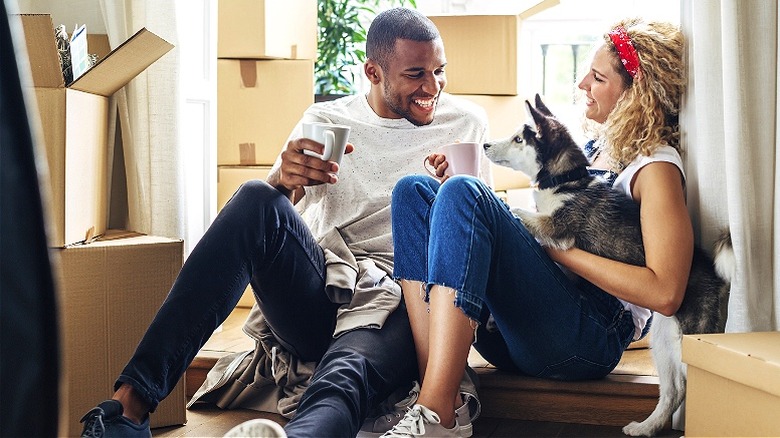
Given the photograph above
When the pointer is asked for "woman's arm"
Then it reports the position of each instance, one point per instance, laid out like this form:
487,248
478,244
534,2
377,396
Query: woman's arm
668,240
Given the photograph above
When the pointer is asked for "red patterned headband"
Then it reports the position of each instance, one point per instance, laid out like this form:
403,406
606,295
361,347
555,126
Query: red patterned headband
625,49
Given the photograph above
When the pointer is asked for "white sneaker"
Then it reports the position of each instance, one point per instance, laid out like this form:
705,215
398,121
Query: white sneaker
420,421
375,426
260,427
463,417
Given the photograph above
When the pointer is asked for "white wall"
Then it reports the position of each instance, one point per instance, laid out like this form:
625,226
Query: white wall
67,12
600,11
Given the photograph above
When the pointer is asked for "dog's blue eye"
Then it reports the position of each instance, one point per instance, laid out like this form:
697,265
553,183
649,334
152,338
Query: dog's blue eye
518,139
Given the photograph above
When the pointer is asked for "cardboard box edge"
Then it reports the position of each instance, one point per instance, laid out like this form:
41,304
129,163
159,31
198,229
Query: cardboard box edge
696,349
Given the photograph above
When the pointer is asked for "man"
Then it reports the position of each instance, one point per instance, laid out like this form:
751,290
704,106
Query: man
314,241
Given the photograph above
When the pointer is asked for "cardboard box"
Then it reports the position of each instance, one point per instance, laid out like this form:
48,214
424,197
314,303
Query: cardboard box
259,29
733,384
259,104
483,50
229,178
109,292
97,43
505,114
74,122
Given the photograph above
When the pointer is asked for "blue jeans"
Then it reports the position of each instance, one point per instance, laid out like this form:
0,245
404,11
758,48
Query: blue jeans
258,237
461,235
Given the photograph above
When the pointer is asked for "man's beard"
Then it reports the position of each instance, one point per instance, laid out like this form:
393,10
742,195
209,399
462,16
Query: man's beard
395,103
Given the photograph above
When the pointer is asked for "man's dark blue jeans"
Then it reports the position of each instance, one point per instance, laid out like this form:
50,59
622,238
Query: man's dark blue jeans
258,237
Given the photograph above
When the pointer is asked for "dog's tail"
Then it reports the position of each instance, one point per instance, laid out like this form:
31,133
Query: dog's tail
725,260
726,267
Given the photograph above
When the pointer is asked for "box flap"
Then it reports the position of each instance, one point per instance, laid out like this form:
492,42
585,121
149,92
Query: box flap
123,64
533,7
42,50
752,359
131,239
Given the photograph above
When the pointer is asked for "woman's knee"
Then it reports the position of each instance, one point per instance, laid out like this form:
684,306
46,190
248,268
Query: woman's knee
462,188
460,195
413,187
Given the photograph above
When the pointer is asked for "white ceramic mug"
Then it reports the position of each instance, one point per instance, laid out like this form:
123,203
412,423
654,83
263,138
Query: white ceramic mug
333,137
462,158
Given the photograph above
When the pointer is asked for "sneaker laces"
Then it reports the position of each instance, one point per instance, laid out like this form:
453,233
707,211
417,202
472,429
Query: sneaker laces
413,423
93,423
94,420
400,408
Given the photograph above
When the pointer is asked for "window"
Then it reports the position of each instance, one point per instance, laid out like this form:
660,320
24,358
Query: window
556,44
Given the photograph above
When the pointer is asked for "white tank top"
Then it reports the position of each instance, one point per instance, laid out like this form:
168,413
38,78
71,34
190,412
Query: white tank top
624,181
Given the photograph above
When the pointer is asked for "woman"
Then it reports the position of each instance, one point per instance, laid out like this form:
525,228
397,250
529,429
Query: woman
458,243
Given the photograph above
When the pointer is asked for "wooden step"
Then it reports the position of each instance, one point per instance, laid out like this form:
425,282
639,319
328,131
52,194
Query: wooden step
615,400
629,393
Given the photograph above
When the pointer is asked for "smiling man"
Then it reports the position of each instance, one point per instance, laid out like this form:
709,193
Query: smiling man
315,243
410,69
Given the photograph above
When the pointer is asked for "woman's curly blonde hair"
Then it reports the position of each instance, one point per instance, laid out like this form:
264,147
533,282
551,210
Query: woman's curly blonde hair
646,115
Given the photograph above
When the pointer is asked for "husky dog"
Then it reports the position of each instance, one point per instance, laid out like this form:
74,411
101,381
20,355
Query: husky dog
577,209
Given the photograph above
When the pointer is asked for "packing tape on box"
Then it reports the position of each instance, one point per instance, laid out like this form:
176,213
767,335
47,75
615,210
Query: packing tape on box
248,73
246,153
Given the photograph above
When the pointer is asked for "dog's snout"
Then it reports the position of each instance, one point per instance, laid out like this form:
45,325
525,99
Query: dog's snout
486,146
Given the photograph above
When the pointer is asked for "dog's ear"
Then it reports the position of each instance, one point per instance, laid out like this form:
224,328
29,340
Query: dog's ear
542,107
539,118
541,122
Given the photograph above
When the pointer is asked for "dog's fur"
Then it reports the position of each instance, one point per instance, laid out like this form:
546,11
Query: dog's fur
576,209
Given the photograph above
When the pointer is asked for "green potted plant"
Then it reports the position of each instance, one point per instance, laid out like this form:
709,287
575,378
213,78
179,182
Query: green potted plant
341,42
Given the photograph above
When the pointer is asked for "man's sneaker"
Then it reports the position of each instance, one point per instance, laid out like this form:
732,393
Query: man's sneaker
376,426
420,421
106,420
260,427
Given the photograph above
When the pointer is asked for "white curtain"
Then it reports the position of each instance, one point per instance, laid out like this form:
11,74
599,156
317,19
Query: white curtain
730,132
148,116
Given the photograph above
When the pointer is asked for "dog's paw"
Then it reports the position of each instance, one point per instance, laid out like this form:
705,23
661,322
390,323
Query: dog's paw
533,221
560,244
522,213
636,428
544,229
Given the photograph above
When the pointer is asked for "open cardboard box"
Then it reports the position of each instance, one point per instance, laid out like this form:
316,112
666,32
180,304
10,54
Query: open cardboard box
74,121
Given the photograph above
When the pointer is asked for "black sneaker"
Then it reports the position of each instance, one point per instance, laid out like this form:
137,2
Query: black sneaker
106,420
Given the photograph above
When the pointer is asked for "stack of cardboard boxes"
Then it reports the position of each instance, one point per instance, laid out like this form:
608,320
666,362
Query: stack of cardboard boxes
265,81
484,66
108,290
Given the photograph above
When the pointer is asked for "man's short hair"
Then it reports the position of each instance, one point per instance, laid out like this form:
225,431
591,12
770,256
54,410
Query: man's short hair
393,24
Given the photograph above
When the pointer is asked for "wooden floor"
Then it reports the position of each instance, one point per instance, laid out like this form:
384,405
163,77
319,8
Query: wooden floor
210,421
